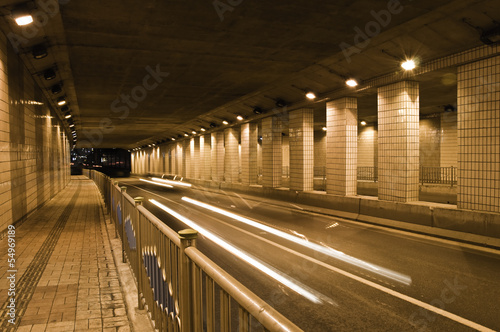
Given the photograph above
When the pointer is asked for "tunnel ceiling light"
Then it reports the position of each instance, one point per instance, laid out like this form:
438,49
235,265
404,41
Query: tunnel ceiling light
193,132
72,125
61,101
363,123
311,95
225,122
22,15
280,103
258,110
173,138
351,82
56,89
202,129
67,116
324,128
39,51
239,118
49,74
408,65
185,134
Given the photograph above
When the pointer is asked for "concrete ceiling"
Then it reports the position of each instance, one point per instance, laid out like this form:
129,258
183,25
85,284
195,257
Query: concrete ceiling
224,63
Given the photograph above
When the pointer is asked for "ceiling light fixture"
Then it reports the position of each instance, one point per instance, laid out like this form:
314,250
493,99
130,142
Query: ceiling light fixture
351,82
67,116
56,89
202,129
185,134
311,95
22,15
258,110
39,51
408,65
61,101
49,74
225,122
324,128
363,123
239,117
193,132
280,103
173,138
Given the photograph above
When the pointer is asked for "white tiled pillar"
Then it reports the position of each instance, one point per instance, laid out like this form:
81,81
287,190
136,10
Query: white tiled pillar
179,158
218,156
342,146
272,152
205,158
231,162
479,135
398,142
249,137
186,159
301,130
195,157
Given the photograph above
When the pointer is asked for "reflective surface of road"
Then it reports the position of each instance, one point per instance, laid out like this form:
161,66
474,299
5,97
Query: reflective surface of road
329,274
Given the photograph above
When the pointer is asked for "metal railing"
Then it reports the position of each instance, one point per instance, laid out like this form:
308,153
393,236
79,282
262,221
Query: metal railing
427,174
181,288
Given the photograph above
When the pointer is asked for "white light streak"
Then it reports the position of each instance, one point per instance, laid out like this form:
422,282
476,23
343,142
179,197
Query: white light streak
175,183
158,184
301,241
278,276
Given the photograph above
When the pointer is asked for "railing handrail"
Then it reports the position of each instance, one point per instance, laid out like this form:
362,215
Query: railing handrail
256,307
173,236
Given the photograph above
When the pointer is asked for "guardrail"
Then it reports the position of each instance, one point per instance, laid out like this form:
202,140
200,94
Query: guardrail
427,174
176,283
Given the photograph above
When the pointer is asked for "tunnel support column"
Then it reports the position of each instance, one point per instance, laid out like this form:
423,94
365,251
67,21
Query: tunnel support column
342,146
301,130
249,136
186,159
195,157
272,154
398,142
479,135
217,156
205,157
231,159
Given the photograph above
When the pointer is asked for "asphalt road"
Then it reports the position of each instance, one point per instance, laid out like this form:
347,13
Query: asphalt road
362,278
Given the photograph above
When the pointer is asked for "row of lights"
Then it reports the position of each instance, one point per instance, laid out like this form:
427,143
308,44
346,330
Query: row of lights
22,16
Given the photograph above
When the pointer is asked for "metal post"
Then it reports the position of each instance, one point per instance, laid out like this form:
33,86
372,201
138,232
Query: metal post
188,239
138,201
122,209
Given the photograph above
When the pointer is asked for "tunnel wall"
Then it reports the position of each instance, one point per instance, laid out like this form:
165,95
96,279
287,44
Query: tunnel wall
34,149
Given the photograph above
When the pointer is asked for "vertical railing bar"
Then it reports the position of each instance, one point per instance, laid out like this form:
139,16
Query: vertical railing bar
225,311
210,303
244,321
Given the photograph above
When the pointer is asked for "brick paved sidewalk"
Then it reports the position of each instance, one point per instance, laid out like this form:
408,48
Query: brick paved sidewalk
66,277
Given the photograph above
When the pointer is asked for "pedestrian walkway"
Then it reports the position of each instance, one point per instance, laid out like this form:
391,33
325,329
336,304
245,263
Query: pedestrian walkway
65,276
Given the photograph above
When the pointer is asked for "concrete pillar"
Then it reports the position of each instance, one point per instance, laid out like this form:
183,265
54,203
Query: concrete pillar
205,158
272,152
301,130
186,159
398,142
478,110
249,137
231,164
217,156
342,146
